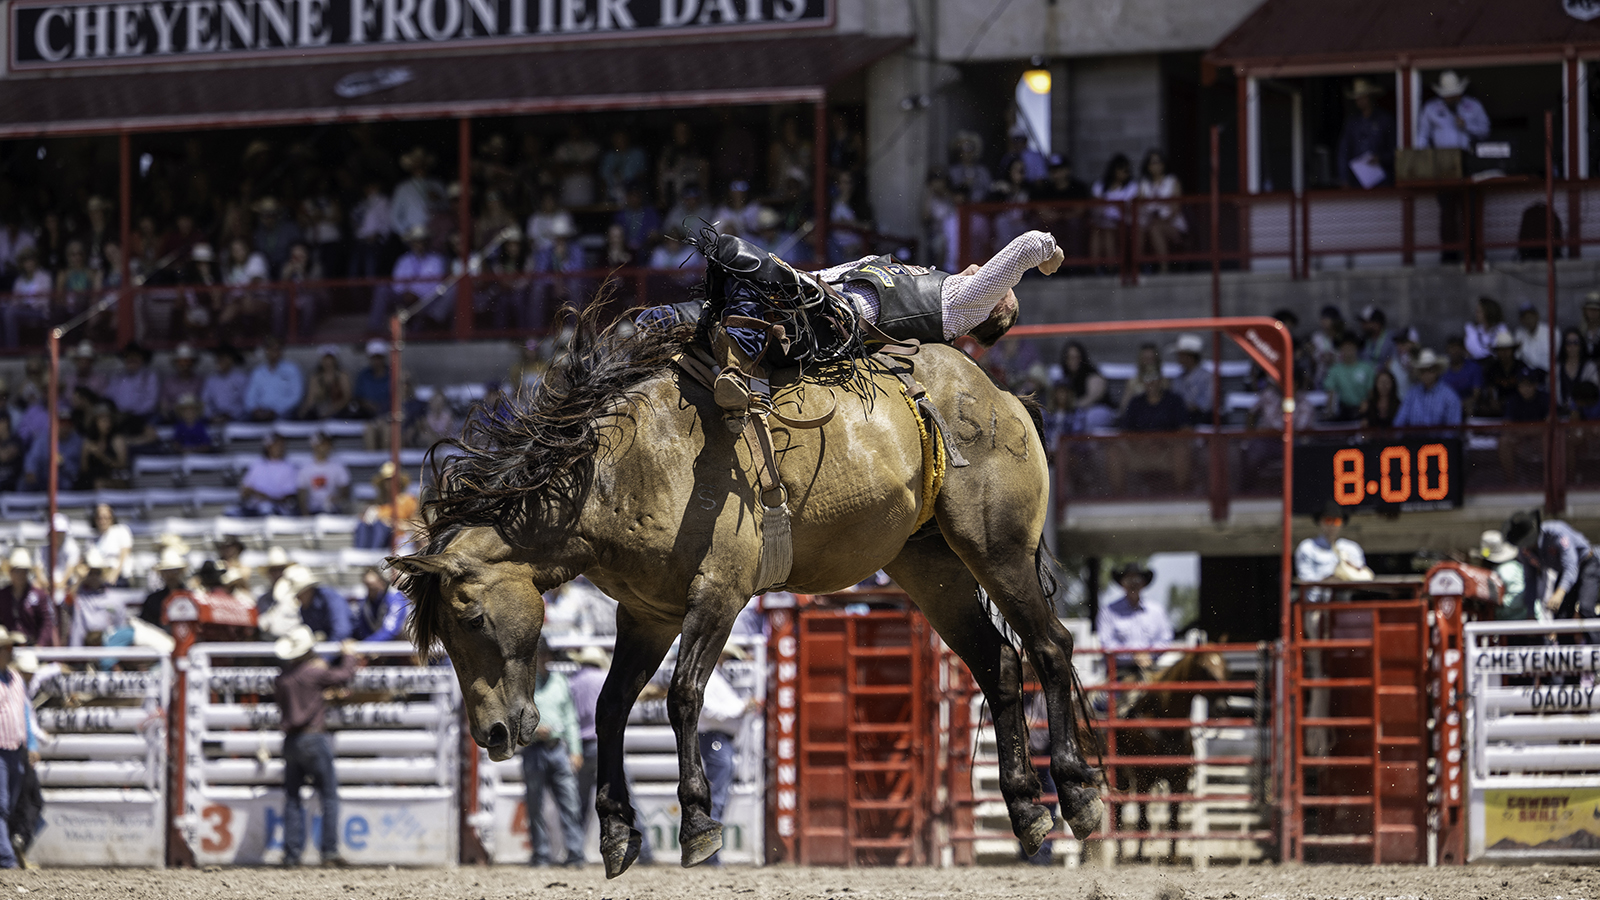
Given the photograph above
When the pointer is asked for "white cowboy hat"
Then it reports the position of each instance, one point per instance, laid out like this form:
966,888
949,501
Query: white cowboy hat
26,662
417,233
1364,87
12,638
592,656
1495,548
94,559
202,253
171,558
20,558
85,349
1450,84
184,351
1427,359
376,347
294,579
1505,340
735,651
277,557
297,643
1190,343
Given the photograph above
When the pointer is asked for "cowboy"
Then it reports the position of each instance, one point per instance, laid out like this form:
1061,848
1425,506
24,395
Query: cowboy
19,741
722,714
1129,623
1429,402
322,608
307,746
1452,121
172,568
552,760
904,302
1327,556
381,614
1366,143
585,685
1503,558
25,607
1564,557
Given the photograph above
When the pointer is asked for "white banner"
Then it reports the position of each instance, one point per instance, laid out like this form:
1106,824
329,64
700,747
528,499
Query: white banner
403,827
116,831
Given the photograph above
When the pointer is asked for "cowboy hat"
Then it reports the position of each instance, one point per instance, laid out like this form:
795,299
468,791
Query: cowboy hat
414,157
1427,359
268,204
376,347
296,643
184,350
85,349
1522,529
1505,340
1495,548
278,558
202,253
1364,87
1450,84
171,558
1190,343
735,651
25,661
147,635
12,638
592,656
94,559
294,579
1120,573
386,472
20,558
417,233
1592,301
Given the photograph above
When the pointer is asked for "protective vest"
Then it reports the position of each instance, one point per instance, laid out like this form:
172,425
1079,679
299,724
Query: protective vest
909,304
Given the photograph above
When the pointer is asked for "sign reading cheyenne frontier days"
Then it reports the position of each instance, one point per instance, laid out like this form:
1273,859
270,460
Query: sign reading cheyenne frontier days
102,32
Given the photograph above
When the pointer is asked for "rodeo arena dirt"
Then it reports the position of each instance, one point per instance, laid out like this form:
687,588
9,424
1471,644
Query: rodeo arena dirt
835,449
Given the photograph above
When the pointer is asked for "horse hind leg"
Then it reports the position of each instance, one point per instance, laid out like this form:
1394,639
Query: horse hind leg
946,592
640,647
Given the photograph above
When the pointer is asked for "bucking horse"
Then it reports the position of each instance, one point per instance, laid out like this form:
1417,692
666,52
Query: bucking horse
618,467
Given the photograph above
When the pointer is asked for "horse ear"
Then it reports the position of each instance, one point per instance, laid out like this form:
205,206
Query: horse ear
430,564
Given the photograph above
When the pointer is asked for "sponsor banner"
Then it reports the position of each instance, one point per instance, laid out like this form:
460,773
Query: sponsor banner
1532,660
402,830
381,679
1553,820
104,32
100,833
658,818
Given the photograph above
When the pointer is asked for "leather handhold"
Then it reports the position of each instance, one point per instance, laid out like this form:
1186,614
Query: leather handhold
738,255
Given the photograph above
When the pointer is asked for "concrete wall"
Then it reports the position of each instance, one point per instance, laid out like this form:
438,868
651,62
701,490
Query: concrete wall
1114,106
987,30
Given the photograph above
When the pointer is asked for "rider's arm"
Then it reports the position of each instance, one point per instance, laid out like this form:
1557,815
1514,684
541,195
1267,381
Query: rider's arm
968,299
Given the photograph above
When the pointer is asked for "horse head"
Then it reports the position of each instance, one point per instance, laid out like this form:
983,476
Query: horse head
486,612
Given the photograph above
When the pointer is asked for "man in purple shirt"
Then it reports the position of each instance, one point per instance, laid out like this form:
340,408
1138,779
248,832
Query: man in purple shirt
417,274
25,608
585,686
307,746
137,391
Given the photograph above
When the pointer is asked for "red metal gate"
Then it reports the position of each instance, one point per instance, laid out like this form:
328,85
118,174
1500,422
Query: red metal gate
862,728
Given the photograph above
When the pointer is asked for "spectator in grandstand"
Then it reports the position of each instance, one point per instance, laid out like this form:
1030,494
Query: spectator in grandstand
575,158
418,197
1382,403
243,308
737,215
1327,556
1586,402
1147,366
76,282
439,423
322,607
1115,188
1405,351
370,392
1129,623
1377,347
1563,557
277,561
36,464
380,615
1155,409
621,165
722,713
19,742
548,219
275,234
224,396
11,455
25,606
29,304
301,270
370,220
1488,323
324,482
82,373
969,178
585,684
381,520
183,381
270,486
1463,374
491,221
328,390
1348,380
105,458
641,223
1365,157
1591,324
1451,121
98,617
136,391
1163,224
690,213
15,239
418,274
1193,383
276,385
1324,342
299,691
1091,409
1575,367
190,433
562,254
1533,338
1429,403
113,540
1500,374
551,761
173,570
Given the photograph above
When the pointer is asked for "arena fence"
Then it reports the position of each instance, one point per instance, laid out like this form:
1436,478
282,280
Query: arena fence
103,770
396,743
1534,722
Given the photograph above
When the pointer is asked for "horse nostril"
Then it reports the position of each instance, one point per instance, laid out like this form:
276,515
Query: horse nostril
499,735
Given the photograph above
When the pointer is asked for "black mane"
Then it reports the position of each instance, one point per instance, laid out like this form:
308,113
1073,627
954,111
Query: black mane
532,456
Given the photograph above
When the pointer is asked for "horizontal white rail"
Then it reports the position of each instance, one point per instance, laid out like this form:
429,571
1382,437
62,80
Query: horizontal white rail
67,746
354,743
96,719
353,715
1542,729
1543,758
1557,698
65,773
353,771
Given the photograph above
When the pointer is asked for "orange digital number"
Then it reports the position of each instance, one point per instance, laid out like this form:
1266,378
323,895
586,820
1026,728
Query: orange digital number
1438,453
1349,476
1386,460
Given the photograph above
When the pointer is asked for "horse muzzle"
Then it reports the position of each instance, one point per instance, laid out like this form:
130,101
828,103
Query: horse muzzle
504,738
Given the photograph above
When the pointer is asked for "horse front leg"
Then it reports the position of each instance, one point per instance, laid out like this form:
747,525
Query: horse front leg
705,633
640,647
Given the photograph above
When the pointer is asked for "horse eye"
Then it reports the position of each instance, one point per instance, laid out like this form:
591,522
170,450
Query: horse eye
473,624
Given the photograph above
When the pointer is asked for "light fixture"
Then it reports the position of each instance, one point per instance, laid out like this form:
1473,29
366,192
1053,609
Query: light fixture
1037,80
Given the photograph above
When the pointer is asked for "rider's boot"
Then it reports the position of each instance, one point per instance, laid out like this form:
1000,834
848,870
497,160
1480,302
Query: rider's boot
739,379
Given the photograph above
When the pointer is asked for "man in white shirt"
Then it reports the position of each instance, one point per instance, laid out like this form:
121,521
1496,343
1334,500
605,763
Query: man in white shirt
324,482
270,486
1133,624
417,274
1326,557
722,714
417,197
29,303
1533,338
1452,121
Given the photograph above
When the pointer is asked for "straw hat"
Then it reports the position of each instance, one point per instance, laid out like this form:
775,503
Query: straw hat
414,157
12,638
592,656
1505,340
202,253
268,204
184,350
297,643
1450,84
94,559
278,558
1190,343
26,661
85,349
376,347
171,558
294,579
417,233
1427,359
1364,87
386,472
1495,548
20,558
734,651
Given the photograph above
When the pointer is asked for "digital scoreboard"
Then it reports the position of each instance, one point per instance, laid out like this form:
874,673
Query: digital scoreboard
1412,474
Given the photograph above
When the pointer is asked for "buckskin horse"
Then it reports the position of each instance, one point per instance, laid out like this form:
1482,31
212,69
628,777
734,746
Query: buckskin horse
618,467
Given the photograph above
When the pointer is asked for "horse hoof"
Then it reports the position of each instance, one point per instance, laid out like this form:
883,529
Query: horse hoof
620,854
1034,834
1087,811
699,848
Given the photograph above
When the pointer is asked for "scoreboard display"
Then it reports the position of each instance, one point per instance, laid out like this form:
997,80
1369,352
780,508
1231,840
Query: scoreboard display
1411,475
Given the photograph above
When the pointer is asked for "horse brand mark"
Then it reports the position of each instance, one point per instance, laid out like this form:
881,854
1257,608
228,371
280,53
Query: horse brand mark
707,499
967,428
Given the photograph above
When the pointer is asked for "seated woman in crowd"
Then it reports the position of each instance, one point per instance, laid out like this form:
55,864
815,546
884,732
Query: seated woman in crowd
1383,401
113,540
105,453
1116,186
328,389
1163,224
1088,388
389,519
